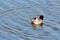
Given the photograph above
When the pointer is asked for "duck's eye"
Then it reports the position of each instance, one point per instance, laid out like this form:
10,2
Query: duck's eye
34,18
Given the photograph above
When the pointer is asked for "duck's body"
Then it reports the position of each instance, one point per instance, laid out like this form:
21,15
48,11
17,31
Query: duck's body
37,21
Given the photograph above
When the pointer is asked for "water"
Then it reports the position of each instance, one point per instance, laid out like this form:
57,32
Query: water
16,15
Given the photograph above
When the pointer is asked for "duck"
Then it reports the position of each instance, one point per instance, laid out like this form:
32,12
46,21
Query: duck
37,21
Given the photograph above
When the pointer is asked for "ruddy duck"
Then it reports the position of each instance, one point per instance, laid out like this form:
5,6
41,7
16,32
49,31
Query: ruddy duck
37,21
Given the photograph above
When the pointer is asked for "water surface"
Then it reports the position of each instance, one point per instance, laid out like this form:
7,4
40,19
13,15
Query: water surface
16,15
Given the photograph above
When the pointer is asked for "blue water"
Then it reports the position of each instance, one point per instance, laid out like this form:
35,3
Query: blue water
16,15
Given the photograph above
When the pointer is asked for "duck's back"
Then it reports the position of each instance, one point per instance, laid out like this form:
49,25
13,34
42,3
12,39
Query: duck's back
37,21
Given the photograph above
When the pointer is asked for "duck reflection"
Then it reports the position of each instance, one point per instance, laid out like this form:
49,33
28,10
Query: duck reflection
35,25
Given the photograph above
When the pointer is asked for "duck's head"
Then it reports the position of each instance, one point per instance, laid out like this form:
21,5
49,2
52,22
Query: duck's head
41,17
